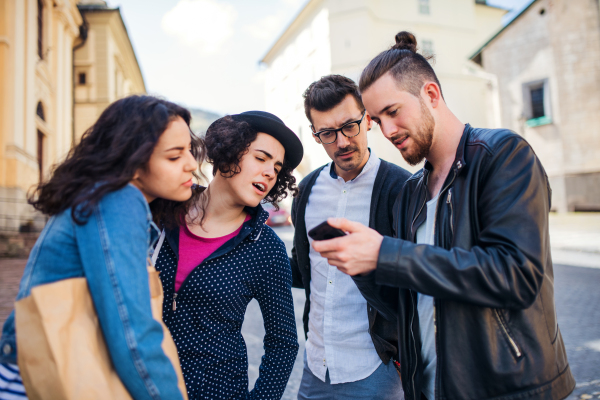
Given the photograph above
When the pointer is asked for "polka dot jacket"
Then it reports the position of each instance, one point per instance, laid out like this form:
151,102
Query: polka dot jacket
205,315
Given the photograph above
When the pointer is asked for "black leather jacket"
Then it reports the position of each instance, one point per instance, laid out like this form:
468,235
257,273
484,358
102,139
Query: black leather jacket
490,273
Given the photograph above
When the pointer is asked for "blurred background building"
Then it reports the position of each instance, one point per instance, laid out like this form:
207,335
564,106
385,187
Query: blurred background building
106,68
547,62
342,36
61,63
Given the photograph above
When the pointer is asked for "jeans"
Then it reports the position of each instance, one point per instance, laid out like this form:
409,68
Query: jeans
383,384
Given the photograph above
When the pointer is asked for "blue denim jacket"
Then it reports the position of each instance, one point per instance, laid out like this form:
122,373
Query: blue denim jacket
111,251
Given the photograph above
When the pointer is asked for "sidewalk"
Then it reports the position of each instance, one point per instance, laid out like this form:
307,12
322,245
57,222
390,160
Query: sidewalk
575,239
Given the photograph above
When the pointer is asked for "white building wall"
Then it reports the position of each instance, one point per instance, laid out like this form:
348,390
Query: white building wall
347,34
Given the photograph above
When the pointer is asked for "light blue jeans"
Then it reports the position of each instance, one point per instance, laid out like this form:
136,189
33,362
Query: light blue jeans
383,384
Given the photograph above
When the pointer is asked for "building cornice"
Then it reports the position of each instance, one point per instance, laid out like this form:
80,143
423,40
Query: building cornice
70,16
291,29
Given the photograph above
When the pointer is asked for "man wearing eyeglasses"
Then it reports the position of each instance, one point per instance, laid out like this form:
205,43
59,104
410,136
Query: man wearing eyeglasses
350,348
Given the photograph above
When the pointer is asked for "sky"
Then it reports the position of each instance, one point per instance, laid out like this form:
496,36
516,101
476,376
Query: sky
206,53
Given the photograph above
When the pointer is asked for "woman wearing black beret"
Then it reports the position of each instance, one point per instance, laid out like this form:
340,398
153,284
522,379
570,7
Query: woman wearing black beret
217,254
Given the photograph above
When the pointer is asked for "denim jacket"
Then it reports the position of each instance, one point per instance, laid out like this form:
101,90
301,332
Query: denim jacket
111,250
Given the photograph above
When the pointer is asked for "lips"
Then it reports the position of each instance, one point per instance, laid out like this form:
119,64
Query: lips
188,183
400,141
261,187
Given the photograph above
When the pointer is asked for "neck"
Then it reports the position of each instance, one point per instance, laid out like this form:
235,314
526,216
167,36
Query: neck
446,138
349,175
221,208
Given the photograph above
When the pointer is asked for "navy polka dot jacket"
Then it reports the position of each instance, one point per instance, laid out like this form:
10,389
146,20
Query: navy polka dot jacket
205,316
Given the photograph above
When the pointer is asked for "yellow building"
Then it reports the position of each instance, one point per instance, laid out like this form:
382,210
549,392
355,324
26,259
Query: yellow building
38,39
36,50
106,68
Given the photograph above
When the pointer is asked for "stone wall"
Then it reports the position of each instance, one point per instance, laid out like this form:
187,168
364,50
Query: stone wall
556,42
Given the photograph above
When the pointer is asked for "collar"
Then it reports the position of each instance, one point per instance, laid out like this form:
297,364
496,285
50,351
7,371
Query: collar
371,162
459,158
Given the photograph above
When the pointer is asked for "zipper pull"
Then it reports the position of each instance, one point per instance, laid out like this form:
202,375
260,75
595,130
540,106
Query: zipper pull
449,199
174,303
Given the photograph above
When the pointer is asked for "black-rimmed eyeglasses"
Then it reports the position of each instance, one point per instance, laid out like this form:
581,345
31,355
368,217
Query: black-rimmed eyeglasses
349,129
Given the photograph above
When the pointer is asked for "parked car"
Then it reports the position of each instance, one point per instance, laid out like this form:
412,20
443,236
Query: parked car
279,217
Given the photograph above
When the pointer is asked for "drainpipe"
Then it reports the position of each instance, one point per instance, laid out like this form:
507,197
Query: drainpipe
83,35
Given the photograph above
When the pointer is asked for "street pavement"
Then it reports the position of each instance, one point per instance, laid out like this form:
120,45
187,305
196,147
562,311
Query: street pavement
575,242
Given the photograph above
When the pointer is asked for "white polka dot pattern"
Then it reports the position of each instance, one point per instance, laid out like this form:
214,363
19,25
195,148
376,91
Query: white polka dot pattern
210,306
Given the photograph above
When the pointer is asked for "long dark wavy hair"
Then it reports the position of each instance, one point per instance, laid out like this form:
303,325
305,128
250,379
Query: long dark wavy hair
108,156
226,142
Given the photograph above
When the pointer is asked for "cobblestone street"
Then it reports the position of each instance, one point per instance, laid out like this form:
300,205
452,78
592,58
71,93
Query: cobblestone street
576,253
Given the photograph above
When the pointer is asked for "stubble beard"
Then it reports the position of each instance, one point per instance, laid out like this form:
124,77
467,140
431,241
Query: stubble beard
422,138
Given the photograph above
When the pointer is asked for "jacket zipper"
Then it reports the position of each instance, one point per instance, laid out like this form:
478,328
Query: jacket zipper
174,303
511,341
414,346
449,201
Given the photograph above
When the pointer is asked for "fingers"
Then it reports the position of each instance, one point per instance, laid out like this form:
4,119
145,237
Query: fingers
345,224
325,246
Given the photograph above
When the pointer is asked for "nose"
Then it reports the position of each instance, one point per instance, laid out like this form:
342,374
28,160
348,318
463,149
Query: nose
191,163
388,129
269,171
342,141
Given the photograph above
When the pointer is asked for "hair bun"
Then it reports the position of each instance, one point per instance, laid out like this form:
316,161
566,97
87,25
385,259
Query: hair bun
405,41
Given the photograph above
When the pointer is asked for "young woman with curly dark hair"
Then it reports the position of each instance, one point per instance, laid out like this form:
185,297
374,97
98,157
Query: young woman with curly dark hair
100,227
218,254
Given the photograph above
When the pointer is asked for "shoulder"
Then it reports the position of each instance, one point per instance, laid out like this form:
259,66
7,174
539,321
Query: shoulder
311,177
127,202
494,140
393,172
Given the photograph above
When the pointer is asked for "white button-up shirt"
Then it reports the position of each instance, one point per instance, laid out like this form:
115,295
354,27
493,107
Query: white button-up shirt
338,326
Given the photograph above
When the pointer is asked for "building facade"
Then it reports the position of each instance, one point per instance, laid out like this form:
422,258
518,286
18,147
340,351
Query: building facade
106,67
547,63
342,36
36,50
38,114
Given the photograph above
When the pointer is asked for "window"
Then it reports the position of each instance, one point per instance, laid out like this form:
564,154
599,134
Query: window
81,78
39,111
40,26
536,103
40,153
427,47
424,7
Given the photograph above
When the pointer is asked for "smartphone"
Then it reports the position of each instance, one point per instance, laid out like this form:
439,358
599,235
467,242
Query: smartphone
324,231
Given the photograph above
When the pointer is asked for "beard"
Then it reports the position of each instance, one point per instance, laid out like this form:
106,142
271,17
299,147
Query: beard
350,164
422,138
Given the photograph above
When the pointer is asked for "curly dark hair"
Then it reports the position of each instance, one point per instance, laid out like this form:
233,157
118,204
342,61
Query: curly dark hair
108,156
226,141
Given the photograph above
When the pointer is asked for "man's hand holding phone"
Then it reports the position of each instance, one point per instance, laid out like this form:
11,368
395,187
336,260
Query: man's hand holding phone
353,253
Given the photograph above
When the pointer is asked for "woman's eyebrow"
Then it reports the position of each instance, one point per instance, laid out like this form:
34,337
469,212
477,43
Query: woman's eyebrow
175,148
269,156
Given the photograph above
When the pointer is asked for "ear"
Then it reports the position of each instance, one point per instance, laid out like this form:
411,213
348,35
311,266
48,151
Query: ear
432,93
369,122
317,139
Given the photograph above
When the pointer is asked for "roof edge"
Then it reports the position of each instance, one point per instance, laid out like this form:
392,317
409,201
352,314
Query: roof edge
309,6
490,40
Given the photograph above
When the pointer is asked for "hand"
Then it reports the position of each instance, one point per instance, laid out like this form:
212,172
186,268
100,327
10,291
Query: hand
353,254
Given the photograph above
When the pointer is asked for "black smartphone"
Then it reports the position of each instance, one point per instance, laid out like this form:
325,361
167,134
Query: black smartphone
324,231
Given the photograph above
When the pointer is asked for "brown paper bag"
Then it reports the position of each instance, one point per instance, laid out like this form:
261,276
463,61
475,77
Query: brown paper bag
61,350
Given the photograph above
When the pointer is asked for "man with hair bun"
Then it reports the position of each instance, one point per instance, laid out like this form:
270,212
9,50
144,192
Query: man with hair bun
351,349
471,252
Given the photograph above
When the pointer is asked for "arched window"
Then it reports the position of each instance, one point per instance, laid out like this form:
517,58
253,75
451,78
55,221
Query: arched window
40,24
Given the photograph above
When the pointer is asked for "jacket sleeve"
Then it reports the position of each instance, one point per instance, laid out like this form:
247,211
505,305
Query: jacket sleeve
296,275
505,268
114,249
274,295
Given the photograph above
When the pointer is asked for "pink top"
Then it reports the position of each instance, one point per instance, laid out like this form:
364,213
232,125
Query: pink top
194,249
